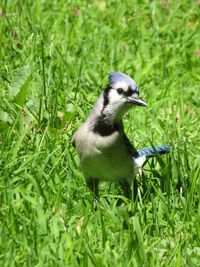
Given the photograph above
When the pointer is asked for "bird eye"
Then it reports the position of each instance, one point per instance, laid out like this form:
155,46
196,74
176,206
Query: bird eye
120,91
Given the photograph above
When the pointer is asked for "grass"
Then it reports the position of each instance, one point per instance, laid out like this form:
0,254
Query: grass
55,56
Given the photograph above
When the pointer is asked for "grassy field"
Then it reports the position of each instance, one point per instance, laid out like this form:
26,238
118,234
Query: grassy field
54,61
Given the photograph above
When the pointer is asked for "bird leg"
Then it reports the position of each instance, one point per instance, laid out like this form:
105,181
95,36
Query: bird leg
129,192
93,186
126,189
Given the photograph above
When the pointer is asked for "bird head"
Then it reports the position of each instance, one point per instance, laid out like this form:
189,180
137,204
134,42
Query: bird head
121,94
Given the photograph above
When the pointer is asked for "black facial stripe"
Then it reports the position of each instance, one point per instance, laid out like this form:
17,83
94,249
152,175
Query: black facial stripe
130,92
104,128
135,91
105,96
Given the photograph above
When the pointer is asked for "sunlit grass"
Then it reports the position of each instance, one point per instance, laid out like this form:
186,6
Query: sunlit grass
55,57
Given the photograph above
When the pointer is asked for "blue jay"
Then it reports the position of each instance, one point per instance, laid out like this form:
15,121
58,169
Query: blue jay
104,150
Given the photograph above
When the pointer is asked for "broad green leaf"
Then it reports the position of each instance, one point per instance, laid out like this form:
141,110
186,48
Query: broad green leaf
20,98
19,85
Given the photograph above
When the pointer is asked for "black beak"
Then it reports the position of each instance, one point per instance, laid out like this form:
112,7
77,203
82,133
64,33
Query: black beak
137,101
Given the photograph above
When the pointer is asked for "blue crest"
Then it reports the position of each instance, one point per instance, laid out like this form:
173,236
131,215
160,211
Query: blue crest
115,77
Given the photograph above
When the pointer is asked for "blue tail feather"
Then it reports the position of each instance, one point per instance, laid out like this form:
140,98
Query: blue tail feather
153,151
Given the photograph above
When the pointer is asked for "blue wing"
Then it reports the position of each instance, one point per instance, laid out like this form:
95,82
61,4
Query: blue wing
144,154
153,151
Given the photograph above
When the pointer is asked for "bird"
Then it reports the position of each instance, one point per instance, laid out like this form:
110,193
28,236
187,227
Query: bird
104,150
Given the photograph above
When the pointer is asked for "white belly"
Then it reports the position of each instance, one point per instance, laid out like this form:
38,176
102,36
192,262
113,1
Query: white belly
105,158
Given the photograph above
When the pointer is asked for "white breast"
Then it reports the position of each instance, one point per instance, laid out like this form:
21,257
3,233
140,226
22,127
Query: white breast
103,158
